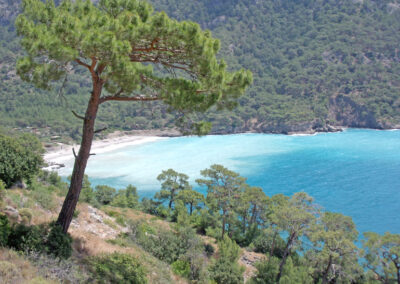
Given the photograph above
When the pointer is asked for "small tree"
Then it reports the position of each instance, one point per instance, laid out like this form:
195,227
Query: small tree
226,269
224,190
191,198
119,42
172,183
382,255
126,198
335,257
19,159
105,194
295,218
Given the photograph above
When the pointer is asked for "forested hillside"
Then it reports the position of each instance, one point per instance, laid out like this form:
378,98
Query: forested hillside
315,63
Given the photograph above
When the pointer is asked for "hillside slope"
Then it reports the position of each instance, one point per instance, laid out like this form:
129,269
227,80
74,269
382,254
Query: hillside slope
315,63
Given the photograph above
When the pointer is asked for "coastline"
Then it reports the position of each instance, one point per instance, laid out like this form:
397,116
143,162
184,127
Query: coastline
56,156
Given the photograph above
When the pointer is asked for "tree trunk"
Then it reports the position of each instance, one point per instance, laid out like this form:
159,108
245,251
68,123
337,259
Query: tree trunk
285,256
326,272
223,228
68,208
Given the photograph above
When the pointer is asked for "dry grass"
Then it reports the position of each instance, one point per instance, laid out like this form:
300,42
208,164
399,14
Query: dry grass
15,269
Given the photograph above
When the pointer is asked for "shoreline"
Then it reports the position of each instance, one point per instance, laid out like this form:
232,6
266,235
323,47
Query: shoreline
56,156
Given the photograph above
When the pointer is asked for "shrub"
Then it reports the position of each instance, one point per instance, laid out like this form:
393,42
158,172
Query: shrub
265,242
27,238
266,271
26,215
120,220
5,230
209,249
76,214
166,245
181,268
43,238
2,189
225,269
126,198
58,243
117,268
43,197
19,158
105,194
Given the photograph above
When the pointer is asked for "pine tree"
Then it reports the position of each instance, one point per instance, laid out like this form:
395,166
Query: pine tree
122,44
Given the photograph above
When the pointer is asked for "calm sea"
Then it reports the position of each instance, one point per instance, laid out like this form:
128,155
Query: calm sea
355,172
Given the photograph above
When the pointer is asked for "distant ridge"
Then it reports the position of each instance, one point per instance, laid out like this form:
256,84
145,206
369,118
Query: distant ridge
317,64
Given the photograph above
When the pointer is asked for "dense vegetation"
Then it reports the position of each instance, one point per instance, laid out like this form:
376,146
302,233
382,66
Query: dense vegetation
302,242
314,62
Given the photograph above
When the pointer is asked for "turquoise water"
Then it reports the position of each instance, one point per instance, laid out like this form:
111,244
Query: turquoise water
356,172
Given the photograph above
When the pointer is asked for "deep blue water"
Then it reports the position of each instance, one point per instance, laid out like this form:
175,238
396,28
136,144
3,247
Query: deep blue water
356,172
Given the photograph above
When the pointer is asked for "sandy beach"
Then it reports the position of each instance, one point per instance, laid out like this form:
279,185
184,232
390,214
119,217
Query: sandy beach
62,153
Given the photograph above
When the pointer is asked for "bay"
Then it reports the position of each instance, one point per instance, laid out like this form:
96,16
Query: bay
355,172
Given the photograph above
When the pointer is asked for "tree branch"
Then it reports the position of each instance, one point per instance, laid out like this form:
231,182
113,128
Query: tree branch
73,151
77,115
128,99
82,63
100,130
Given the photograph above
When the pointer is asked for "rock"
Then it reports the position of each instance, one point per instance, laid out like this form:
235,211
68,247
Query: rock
12,213
19,185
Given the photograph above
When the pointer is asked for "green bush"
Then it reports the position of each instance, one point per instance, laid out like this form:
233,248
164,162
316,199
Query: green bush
27,238
105,194
2,189
117,268
58,243
43,238
209,249
19,158
5,230
43,197
181,268
165,245
226,269
265,242
26,215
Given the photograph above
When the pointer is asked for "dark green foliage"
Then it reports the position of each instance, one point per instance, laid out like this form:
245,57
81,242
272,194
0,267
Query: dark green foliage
181,268
209,249
28,238
47,239
5,230
88,195
166,245
104,194
224,192
58,243
172,183
225,269
307,57
2,190
266,271
126,198
269,244
117,268
20,158
382,256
